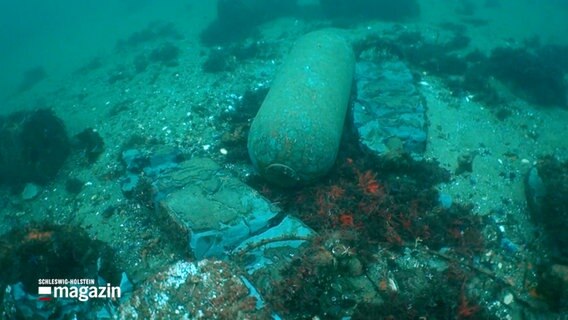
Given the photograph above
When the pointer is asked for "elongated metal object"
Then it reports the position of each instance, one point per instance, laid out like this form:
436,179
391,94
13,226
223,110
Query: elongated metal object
295,137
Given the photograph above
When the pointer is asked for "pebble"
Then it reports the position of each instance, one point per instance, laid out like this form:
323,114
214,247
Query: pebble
31,190
508,299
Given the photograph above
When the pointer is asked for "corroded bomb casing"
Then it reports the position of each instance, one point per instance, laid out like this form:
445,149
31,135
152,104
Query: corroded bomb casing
295,135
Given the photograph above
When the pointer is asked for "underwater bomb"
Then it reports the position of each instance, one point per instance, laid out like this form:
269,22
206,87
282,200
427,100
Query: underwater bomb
295,136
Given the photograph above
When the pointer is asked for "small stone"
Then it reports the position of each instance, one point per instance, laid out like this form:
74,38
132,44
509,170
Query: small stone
31,190
508,299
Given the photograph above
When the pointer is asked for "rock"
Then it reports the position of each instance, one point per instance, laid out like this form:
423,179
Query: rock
389,114
508,299
31,190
